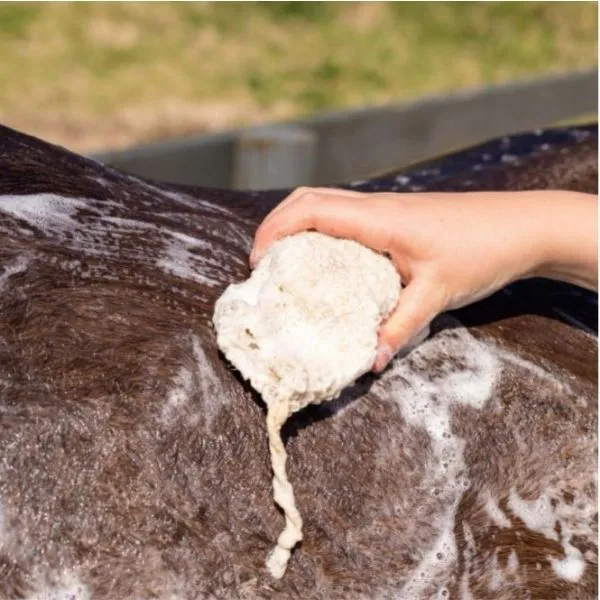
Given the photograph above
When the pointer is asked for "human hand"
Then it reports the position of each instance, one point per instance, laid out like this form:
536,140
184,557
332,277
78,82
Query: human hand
450,249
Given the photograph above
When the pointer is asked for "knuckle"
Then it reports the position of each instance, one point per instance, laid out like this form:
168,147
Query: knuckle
303,192
312,196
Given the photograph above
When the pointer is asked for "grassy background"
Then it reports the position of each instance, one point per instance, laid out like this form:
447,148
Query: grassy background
107,75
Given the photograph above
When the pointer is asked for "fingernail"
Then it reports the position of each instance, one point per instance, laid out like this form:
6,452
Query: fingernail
384,356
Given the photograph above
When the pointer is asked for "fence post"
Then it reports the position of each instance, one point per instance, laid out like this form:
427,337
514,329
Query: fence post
274,157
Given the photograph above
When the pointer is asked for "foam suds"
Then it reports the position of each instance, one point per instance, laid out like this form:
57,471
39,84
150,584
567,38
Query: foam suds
538,515
469,552
48,213
18,265
200,381
495,513
210,383
512,565
575,519
239,236
466,371
66,587
495,574
509,159
559,384
180,259
178,396
571,567
89,226
102,181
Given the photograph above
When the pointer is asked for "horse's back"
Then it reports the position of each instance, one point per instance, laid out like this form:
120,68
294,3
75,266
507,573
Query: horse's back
135,461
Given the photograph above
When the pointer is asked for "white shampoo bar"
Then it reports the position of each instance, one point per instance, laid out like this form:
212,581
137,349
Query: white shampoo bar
301,329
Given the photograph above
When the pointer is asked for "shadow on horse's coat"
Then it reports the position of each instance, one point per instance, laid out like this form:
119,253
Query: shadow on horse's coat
134,462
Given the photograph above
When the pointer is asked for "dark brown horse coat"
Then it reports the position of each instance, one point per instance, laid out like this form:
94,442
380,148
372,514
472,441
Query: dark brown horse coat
134,461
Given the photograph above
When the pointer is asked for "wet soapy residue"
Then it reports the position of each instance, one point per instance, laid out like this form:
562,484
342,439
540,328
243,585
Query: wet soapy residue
425,397
466,373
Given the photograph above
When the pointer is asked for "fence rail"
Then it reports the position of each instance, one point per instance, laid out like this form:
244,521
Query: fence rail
355,144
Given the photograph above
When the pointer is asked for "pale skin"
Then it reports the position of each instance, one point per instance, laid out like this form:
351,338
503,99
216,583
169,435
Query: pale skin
450,249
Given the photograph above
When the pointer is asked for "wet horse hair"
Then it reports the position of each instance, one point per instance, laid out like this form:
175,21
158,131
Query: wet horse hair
134,461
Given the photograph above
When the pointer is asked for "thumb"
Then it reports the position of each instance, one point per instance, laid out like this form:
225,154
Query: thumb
419,303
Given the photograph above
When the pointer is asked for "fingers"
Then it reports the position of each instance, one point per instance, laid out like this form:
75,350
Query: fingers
419,303
304,192
332,212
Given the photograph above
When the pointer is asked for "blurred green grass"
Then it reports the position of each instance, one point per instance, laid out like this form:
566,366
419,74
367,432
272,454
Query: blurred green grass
95,75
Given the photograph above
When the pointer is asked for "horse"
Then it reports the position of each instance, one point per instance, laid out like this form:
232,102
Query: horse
134,460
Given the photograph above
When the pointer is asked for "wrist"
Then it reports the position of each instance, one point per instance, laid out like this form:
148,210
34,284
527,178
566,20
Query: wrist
568,238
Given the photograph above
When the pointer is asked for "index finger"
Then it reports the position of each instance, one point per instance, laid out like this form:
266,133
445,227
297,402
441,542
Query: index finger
336,215
320,192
